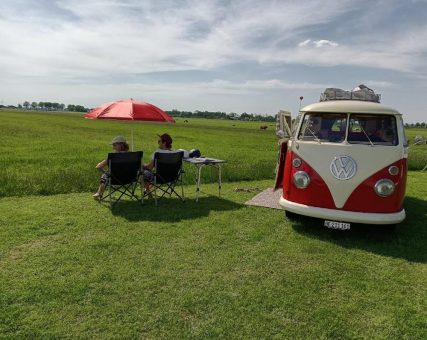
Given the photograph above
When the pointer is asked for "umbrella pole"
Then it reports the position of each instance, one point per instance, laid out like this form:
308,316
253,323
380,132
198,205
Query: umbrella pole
132,136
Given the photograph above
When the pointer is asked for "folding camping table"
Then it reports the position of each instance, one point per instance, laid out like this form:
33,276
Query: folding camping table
199,163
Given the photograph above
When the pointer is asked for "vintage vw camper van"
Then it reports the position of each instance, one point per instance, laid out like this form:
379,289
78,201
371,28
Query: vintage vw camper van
344,161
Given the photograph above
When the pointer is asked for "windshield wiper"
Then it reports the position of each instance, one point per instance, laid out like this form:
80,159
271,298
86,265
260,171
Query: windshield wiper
366,135
314,135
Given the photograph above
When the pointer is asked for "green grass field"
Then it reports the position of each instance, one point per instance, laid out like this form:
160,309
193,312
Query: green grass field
49,153
72,268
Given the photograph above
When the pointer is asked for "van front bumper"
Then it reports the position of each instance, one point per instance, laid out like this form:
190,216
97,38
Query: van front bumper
342,215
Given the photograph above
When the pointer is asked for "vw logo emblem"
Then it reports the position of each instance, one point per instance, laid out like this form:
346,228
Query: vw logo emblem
343,167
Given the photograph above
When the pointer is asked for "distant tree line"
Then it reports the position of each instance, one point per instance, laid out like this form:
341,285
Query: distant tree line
49,106
53,106
221,115
422,125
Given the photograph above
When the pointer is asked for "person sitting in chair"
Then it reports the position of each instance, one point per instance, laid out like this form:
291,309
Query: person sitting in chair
165,146
119,145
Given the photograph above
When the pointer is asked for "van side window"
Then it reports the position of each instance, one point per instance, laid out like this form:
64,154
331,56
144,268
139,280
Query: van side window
324,127
372,129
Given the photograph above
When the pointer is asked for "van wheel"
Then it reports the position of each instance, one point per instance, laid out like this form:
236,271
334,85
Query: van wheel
291,215
386,228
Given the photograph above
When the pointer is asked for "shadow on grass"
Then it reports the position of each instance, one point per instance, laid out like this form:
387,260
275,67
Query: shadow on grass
407,240
171,209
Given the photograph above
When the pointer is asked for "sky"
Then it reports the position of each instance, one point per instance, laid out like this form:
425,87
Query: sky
218,55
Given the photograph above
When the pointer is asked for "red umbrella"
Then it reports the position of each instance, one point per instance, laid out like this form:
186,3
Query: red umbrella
129,109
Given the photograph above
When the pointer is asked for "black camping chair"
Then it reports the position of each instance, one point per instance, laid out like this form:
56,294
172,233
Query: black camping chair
124,176
167,174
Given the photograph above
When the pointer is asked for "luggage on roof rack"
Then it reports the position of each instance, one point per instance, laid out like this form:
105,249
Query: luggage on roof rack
361,92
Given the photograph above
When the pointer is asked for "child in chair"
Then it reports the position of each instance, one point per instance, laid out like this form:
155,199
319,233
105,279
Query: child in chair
119,145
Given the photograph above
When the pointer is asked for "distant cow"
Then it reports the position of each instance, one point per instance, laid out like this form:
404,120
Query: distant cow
186,121
263,127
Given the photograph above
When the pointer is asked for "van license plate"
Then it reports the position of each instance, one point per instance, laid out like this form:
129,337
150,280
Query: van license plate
337,225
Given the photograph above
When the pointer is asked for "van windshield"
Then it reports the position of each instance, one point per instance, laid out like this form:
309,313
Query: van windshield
366,129
323,127
372,129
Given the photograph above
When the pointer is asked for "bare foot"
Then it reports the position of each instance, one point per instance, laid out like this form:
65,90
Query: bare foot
96,196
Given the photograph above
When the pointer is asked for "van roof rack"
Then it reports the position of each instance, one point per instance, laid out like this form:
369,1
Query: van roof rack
361,92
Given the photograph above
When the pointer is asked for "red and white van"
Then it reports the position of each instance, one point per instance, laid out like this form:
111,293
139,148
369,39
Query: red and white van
345,161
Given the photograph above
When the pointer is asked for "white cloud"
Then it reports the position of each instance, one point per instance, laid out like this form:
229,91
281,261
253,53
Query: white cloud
63,45
318,43
304,43
322,43
114,37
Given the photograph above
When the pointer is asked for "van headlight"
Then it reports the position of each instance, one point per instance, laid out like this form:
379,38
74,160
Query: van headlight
301,179
384,187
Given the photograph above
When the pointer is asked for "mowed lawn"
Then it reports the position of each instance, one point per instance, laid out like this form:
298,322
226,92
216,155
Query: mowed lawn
71,268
